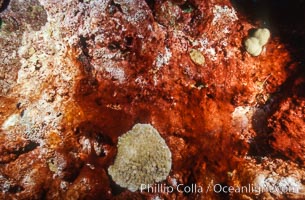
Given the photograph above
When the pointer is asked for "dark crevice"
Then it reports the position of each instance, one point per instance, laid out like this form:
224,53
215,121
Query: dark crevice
43,194
115,189
29,147
15,189
151,4
83,45
9,185
129,41
114,7
4,5
187,7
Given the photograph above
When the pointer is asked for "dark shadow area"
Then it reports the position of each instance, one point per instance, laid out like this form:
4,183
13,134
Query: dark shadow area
286,21
271,11
4,4
284,18
31,145
115,189
151,4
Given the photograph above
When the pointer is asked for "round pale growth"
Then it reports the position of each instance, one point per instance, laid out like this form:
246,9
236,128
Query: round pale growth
253,46
197,57
143,158
263,35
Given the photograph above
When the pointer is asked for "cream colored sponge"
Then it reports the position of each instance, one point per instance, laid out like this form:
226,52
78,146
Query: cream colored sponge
263,35
254,44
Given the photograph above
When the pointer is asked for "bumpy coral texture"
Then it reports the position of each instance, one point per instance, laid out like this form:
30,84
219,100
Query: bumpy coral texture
143,158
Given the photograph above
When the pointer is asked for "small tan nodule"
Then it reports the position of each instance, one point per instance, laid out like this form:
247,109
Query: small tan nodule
197,57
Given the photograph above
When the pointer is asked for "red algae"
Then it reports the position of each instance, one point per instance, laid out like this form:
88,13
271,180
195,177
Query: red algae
235,120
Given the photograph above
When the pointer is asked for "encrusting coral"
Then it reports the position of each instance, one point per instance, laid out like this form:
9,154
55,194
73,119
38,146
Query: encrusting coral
143,158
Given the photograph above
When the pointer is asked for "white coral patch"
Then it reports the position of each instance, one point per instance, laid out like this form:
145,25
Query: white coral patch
223,14
163,59
11,121
116,73
277,185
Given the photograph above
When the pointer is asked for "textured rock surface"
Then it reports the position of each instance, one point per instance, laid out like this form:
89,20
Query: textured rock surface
76,75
